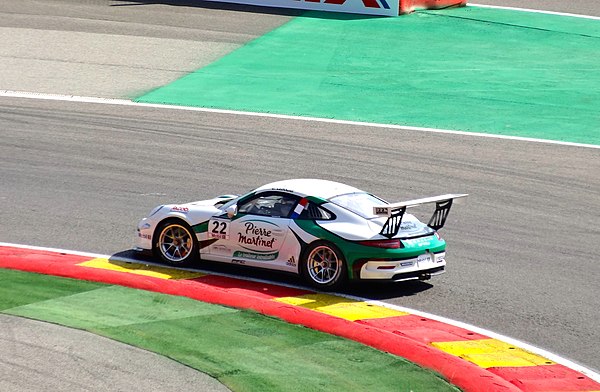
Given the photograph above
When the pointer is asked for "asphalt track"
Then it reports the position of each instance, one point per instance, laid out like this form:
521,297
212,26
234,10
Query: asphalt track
522,258
41,356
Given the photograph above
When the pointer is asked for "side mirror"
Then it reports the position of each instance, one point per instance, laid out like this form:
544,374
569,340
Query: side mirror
232,211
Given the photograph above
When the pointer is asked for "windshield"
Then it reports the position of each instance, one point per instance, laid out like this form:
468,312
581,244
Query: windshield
359,203
229,203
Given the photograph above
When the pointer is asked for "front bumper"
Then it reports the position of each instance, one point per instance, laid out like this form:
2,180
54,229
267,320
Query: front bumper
421,267
143,237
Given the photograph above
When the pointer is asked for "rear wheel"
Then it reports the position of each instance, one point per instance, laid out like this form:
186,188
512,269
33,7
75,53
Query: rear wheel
323,266
177,243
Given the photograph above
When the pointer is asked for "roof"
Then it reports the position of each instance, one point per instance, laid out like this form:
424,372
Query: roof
311,187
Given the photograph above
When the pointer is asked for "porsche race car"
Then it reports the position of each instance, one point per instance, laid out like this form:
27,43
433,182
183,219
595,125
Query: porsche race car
325,231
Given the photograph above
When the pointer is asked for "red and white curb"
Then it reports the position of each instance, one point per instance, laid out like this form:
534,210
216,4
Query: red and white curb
471,358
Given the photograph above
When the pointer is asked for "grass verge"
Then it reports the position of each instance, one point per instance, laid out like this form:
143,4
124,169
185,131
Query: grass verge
244,350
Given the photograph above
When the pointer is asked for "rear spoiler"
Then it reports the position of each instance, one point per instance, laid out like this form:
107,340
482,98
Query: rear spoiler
395,212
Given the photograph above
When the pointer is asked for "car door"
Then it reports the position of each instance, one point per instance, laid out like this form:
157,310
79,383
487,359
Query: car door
257,234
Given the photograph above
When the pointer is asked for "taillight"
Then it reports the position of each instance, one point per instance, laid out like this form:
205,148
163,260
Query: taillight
387,244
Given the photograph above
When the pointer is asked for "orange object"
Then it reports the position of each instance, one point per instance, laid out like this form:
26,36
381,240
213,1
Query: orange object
407,6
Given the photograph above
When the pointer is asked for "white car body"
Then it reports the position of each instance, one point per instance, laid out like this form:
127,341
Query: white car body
275,226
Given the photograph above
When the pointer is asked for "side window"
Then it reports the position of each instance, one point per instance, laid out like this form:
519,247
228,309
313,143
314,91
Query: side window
273,205
314,212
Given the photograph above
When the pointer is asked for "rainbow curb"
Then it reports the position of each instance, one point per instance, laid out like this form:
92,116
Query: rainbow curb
472,361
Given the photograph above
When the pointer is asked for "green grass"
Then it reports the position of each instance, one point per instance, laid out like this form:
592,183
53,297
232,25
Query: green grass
244,350
471,69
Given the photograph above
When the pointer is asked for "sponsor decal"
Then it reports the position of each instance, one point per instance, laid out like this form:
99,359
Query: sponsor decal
145,236
257,236
381,210
220,250
291,262
238,261
366,3
370,7
424,259
408,226
180,209
424,241
256,256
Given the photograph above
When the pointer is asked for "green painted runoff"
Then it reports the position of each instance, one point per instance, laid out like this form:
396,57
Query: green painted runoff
244,350
470,69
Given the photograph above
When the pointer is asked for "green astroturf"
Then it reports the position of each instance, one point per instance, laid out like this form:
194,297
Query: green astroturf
244,350
472,69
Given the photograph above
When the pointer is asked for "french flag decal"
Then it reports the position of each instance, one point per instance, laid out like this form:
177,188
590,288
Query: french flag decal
299,208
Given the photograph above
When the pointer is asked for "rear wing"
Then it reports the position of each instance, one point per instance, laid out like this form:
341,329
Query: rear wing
395,212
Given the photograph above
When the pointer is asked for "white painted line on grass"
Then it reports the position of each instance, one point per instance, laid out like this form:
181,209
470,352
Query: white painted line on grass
125,102
528,347
536,11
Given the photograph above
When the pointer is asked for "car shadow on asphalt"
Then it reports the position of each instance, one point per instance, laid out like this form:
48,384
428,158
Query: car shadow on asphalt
386,290
367,290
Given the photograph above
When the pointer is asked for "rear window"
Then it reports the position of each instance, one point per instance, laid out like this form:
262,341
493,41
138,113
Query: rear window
314,212
360,203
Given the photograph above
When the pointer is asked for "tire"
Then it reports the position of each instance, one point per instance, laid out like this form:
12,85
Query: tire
323,266
176,243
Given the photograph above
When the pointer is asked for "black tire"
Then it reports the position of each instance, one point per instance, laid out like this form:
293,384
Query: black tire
176,243
323,266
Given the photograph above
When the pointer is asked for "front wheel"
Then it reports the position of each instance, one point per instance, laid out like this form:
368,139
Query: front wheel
177,243
323,266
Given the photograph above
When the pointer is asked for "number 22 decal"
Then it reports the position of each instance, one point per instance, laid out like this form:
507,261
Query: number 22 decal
219,229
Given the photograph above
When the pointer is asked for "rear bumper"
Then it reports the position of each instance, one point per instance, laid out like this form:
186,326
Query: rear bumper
422,267
419,275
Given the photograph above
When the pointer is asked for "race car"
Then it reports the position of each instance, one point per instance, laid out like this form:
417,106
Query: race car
325,231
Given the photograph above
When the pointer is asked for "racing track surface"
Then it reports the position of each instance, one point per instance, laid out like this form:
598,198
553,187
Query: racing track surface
521,260
47,357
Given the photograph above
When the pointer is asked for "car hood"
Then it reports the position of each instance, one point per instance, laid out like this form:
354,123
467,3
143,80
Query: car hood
213,201
194,213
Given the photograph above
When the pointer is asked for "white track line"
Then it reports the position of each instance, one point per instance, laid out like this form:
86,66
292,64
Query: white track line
533,349
125,102
536,11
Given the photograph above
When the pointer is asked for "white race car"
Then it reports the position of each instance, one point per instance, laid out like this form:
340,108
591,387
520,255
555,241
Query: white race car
325,231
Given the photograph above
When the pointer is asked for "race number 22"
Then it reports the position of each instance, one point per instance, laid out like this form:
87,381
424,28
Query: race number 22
218,229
